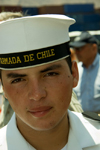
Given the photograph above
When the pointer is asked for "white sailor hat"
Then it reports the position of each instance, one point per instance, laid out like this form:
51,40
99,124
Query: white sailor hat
34,41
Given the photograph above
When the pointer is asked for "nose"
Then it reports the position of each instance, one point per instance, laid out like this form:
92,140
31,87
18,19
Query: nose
36,90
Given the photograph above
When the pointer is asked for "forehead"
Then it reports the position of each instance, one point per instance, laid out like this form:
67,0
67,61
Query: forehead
55,65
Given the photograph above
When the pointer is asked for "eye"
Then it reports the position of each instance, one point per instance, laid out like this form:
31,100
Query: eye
52,74
17,80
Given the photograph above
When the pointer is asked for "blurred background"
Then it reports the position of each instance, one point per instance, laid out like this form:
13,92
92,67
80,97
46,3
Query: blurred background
85,12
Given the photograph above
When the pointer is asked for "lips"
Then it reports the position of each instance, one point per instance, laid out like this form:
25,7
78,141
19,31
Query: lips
40,112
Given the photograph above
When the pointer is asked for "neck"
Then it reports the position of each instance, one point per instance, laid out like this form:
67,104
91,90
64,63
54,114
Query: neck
54,139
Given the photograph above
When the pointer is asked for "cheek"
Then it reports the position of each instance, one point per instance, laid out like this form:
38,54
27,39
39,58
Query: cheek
14,91
10,92
15,97
63,91
66,83
66,88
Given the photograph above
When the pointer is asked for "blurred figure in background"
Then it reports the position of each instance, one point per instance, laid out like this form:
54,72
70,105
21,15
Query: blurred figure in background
88,88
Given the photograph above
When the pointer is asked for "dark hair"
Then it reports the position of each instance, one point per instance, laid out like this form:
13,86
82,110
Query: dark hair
68,59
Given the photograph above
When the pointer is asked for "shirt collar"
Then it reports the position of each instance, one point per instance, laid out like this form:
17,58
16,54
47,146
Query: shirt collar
87,131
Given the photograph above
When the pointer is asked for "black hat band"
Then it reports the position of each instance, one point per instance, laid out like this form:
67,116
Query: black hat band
34,57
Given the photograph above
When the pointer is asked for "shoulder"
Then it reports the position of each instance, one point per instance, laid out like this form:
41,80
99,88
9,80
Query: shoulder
92,118
3,134
85,129
88,119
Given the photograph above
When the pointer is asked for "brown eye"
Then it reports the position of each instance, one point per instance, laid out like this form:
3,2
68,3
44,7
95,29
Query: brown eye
51,74
17,80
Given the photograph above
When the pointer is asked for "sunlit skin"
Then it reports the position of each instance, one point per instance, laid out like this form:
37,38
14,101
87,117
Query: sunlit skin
86,53
73,55
40,97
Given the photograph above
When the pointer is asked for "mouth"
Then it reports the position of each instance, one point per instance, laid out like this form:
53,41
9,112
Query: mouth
40,112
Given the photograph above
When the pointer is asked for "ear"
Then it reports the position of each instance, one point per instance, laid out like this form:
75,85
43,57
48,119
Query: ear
75,73
95,47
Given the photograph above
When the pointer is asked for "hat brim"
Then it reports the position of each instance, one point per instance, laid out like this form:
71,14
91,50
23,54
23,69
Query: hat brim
77,44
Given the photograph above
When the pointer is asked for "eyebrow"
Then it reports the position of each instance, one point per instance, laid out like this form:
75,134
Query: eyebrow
51,68
15,75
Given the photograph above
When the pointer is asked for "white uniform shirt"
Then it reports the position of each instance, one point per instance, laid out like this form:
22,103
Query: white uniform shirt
84,134
32,148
